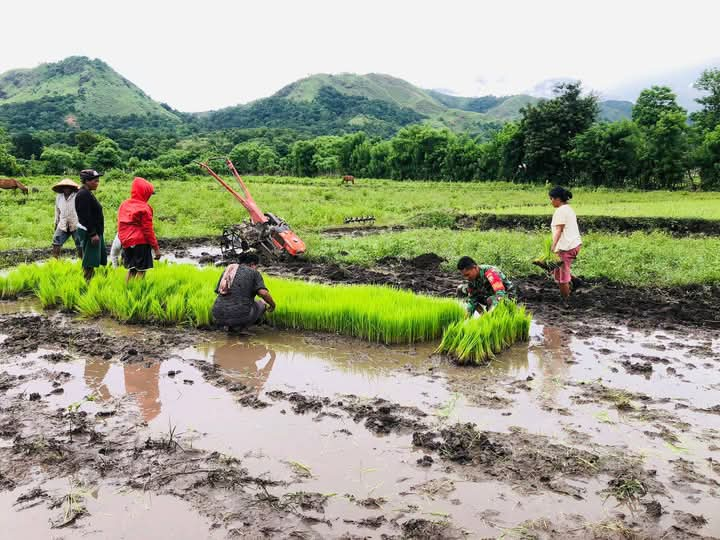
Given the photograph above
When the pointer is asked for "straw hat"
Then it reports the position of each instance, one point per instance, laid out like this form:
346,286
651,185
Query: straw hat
65,182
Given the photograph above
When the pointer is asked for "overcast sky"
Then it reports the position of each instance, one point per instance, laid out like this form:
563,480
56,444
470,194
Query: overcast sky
208,54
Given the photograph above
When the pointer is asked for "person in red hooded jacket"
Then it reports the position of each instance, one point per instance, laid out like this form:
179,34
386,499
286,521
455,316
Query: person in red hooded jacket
135,229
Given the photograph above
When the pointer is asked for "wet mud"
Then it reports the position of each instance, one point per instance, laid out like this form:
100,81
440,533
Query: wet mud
674,226
282,435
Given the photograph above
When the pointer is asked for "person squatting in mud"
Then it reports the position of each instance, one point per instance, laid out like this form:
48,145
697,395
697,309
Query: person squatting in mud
486,286
235,306
135,230
91,223
566,240
66,219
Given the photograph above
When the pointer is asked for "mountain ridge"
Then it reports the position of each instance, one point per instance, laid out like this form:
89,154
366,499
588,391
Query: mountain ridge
79,92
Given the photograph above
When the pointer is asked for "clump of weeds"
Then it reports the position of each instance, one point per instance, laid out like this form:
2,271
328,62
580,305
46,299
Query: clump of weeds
628,489
73,504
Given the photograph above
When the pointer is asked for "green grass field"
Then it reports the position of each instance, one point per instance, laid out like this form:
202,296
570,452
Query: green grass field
200,207
634,259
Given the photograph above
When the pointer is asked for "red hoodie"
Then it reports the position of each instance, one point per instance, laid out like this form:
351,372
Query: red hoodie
135,216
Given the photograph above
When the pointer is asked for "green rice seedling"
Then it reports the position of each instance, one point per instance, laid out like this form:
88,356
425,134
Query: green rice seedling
548,259
184,294
478,340
379,314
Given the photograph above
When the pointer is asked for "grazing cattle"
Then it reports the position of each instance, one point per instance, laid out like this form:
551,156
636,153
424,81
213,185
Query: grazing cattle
11,183
348,179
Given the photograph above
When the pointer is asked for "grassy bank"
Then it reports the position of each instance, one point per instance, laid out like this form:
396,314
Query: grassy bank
639,259
200,207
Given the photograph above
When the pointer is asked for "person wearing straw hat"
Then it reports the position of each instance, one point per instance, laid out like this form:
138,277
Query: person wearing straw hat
66,220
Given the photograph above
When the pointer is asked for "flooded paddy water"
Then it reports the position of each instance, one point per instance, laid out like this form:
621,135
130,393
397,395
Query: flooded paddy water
144,432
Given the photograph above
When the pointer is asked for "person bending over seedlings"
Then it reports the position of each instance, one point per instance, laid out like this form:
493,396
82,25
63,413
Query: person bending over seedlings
91,223
486,286
235,306
566,240
66,219
135,230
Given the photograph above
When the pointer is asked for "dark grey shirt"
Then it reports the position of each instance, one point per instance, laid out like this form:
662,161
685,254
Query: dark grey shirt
238,307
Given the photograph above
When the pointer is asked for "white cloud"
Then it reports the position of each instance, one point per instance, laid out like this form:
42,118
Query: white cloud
202,55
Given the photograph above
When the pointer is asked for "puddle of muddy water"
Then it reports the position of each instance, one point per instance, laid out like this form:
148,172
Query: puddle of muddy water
24,305
192,255
535,387
111,513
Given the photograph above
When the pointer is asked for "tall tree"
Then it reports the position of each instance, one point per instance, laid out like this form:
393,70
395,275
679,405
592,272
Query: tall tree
25,146
549,127
607,154
652,103
708,118
663,123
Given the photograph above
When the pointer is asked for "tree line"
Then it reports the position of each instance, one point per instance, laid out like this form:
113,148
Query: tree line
557,140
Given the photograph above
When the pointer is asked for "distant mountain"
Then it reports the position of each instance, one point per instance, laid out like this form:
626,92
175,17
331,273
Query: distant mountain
372,102
508,108
78,92
87,94
680,80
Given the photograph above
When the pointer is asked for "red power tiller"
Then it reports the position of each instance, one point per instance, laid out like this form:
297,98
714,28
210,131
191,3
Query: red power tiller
266,230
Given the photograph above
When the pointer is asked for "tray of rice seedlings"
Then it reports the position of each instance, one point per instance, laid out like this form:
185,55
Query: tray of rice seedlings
478,340
548,259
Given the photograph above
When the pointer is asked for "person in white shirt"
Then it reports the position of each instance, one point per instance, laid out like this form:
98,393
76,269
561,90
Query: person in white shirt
66,220
566,240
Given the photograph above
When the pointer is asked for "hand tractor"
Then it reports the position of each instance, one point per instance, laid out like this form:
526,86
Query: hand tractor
262,230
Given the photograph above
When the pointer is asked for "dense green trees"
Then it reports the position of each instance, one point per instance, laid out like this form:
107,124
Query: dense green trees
558,140
548,129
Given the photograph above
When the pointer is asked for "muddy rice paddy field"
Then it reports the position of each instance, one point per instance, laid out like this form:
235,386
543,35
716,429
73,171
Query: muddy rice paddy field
606,424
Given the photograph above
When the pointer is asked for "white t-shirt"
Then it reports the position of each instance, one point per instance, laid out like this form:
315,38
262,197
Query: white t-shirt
570,237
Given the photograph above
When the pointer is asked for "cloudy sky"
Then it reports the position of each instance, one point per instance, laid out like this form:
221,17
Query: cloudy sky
201,55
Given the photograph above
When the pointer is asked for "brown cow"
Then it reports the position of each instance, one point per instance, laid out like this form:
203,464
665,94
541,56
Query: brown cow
348,179
11,183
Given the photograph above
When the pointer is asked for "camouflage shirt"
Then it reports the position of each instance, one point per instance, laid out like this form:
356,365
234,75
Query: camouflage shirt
488,288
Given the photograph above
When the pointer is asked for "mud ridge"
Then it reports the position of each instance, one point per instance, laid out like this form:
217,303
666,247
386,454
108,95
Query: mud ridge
673,226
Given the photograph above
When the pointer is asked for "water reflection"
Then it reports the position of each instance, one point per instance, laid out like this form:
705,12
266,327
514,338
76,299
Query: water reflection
556,356
251,362
141,380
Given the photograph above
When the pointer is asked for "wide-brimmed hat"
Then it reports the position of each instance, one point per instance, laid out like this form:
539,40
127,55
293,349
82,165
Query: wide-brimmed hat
65,182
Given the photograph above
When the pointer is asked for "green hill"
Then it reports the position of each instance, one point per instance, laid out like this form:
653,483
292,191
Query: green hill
87,94
507,108
78,92
614,110
376,103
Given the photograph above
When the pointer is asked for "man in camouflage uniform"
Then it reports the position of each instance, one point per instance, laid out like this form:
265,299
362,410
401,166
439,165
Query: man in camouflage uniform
486,286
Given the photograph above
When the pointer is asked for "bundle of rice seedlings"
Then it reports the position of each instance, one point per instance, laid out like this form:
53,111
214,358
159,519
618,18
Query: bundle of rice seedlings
374,313
478,340
184,294
548,259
